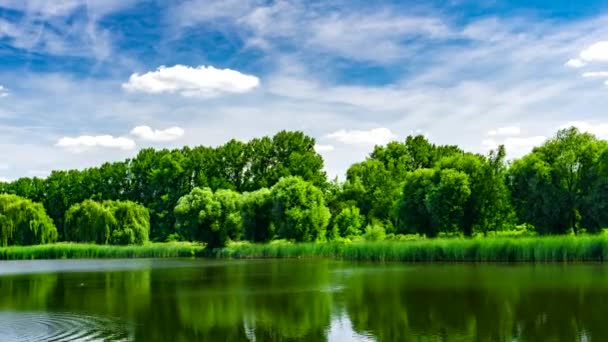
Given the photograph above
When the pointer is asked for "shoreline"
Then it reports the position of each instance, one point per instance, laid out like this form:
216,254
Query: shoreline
591,248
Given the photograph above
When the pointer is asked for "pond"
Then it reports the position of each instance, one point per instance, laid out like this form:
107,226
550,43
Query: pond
299,300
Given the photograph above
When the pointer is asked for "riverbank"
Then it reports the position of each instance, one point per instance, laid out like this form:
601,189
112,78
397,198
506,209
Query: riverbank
499,249
92,251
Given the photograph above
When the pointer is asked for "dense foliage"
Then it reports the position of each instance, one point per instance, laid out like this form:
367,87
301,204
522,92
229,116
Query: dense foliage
274,188
23,222
108,222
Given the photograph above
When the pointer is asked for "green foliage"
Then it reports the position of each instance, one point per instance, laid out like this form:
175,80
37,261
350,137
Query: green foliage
501,249
375,184
213,218
23,222
374,233
109,222
446,201
299,210
256,211
95,251
347,223
561,185
411,210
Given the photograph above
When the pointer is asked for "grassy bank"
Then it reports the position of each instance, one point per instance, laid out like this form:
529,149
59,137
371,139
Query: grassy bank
499,249
90,251
524,249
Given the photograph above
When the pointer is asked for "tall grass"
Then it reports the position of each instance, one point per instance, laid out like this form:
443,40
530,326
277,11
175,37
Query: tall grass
90,251
525,249
498,249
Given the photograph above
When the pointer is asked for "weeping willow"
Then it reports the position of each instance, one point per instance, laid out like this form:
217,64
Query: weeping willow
108,222
23,222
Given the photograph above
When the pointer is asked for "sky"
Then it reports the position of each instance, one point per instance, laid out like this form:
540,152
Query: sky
83,82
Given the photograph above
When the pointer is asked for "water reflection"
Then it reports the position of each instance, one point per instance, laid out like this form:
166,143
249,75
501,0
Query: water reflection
309,300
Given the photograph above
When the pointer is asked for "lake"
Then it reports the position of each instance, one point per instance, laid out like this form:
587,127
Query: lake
299,300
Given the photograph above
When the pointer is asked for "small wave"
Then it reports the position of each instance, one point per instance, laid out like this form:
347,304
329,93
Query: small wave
43,326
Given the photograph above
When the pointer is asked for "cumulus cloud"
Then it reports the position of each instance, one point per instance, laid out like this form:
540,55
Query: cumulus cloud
85,142
597,52
504,131
4,180
3,91
157,135
324,148
203,81
597,129
375,136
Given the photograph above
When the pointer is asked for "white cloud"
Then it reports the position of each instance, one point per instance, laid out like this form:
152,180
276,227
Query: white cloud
323,148
3,91
575,63
157,135
505,131
595,74
4,180
85,142
375,136
516,147
204,81
598,129
597,52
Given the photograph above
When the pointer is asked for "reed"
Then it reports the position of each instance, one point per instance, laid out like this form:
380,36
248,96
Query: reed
500,249
92,251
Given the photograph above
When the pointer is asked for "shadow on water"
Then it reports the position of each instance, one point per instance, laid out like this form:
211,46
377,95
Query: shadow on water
301,300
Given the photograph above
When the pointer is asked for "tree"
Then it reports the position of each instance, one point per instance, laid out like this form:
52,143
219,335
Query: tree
299,212
555,188
411,210
256,212
23,222
210,217
108,222
446,201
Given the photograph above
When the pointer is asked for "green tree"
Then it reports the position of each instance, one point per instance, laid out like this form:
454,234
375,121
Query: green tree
555,188
23,222
299,211
210,217
446,201
256,211
411,210
108,222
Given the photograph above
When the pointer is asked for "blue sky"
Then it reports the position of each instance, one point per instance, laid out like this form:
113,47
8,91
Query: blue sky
87,81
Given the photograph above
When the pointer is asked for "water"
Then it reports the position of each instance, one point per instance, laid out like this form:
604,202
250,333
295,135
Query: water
299,300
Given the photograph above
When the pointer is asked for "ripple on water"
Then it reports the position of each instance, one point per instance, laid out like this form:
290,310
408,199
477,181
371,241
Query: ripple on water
43,326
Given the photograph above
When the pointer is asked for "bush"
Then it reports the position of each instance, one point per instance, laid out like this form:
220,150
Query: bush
23,222
347,223
374,233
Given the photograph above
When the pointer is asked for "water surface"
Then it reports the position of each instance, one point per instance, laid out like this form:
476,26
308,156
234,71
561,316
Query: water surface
299,300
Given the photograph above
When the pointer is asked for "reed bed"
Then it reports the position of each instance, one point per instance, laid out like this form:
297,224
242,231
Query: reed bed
498,249
92,251
501,249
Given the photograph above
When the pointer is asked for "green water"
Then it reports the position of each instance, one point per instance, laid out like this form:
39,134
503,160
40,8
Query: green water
300,300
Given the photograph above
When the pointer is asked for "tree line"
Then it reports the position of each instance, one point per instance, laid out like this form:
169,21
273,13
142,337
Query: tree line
275,188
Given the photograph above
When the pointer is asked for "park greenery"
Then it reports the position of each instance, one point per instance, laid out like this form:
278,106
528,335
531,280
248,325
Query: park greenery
274,188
